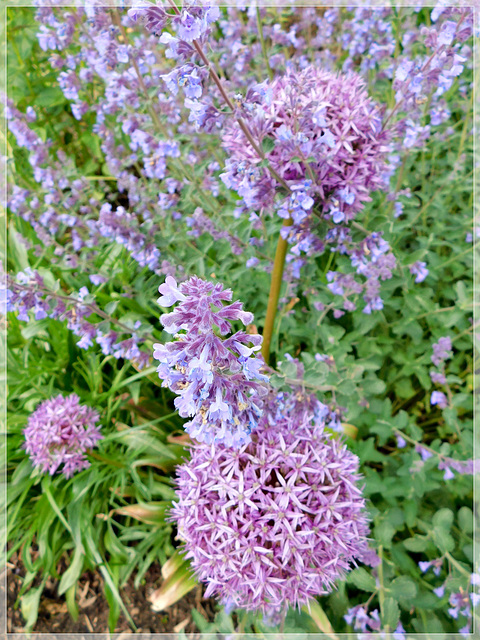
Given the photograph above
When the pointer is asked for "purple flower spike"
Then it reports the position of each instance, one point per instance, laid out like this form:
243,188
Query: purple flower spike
60,431
278,521
217,380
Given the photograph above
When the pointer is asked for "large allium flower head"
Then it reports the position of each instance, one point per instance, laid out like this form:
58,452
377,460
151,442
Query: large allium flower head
217,379
60,431
325,117
278,521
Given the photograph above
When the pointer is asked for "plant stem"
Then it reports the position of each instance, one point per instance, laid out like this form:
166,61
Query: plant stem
243,125
262,42
381,590
275,285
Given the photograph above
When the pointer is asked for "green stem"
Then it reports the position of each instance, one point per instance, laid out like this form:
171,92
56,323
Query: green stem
262,42
275,286
456,565
381,590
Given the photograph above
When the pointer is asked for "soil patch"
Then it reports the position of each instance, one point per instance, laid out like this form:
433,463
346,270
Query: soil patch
53,616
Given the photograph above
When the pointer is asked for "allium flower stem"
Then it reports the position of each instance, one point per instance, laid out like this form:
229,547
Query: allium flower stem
262,42
275,285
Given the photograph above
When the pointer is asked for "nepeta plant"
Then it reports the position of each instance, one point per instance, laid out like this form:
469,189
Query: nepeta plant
217,379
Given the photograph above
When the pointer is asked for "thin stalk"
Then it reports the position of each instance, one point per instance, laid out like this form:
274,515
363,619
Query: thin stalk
243,126
262,42
381,589
275,286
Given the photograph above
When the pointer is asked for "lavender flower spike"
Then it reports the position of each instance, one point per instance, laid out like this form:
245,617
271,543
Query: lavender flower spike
217,380
277,522
59,432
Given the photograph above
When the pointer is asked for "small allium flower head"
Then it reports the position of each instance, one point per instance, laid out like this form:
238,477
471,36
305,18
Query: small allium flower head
59,432
316,114
217,379
278,521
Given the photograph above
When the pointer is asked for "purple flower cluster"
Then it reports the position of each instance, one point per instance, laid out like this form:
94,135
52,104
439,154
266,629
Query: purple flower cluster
372,259
200,223
276,522
28,293
124,228
369,623
462,602
447,464
217,380
321,126
327,145
419,270
60,431
442,351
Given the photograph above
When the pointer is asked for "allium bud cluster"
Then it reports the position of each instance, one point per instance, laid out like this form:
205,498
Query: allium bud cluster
278,521
59,432
217,379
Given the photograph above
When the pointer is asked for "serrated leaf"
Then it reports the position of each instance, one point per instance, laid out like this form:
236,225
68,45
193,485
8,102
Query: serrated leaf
362,579
384,532
268,144
390,613
403,589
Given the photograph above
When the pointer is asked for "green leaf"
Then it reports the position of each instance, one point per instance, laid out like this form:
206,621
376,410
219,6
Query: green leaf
362,579
29,606
74,571
384,532
403,589
443,518
416,544
390,613
465,520
320,618
268,144
443,540
72,603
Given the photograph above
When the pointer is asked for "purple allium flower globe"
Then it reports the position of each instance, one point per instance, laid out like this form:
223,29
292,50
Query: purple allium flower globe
60,431
276,522
316,115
